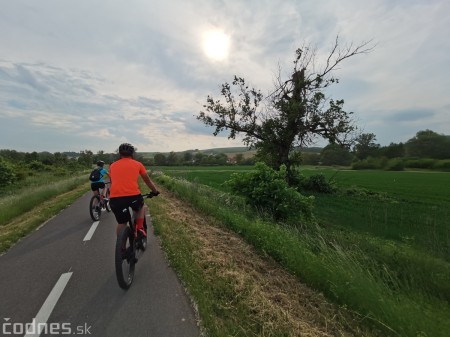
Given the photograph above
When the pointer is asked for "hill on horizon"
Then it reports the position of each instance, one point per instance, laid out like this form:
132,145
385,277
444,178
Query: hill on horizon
227,150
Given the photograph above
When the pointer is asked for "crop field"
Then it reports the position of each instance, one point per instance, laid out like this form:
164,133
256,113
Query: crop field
213,176
385,233
409,207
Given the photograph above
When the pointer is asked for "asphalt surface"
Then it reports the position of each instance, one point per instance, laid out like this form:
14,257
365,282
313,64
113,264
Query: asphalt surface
57,280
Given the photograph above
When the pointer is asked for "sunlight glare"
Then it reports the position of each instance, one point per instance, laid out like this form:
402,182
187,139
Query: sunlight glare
216,45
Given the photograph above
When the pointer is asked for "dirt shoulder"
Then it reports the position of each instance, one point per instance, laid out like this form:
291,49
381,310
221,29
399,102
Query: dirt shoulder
275,299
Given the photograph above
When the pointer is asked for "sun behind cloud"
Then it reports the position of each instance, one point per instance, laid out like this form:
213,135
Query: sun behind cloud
216,45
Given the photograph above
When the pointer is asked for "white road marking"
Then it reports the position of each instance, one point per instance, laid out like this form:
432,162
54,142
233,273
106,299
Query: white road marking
91,231
42,316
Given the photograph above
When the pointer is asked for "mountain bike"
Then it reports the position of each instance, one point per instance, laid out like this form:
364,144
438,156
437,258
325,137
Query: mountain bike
130,245
99,203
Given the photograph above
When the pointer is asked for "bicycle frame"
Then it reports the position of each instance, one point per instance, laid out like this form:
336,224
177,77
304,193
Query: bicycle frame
129,246
100,190
97,202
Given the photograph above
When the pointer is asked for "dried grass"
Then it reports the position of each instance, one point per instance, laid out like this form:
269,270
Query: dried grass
274,300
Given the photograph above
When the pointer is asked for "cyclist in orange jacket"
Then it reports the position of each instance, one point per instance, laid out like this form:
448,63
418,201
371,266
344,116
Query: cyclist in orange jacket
124,192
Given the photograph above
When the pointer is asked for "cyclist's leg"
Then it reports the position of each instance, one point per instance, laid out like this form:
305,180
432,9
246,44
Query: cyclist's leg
119,206
94,188
139,211
102,189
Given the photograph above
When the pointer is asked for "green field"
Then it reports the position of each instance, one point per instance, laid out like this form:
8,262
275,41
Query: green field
385,233
409,207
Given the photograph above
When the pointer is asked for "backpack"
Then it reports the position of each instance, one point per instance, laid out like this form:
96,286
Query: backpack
95,175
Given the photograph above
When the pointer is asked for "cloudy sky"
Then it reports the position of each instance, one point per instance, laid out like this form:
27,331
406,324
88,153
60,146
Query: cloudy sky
91,74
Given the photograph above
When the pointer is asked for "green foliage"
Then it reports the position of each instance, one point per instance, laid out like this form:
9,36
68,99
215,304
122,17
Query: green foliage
365,145
267,189
423,163
318,183
35,191
386,282
310,158
86,158
365,165
371,163
396,164
399,164
293,115
7,175
443,165
37,166
334,154
393,150
428,144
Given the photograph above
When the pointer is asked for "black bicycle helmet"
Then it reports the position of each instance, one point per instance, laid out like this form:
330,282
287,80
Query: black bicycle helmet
126,149
100,163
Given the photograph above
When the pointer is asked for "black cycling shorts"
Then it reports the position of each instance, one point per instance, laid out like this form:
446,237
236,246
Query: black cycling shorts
95,186
120,205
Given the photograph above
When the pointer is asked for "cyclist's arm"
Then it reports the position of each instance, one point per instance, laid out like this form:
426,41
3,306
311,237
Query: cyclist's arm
149,182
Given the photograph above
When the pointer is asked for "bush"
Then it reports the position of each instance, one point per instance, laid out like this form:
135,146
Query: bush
60,171
37,166
364,165
395,165
443,165
371,163
318,183
7,175
21,174
421,163
267,190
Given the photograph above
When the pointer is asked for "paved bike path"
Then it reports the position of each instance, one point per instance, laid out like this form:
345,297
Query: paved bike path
55,273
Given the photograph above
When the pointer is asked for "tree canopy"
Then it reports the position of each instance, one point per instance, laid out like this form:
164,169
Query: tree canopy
294,115
428,144
365,145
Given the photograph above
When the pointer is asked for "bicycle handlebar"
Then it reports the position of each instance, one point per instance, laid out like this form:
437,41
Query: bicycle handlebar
150,195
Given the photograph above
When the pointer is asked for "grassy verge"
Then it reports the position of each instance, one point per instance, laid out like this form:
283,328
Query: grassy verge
24,212
325,265
237,291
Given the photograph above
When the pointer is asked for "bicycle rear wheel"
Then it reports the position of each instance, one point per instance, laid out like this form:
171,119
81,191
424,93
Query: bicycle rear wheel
142,240
125,258
107,206
95,209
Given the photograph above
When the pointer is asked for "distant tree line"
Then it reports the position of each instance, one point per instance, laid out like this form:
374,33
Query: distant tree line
427,149
15,166
197,158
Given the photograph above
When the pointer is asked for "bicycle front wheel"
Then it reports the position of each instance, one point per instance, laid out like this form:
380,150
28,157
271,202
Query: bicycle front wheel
125,258
95,208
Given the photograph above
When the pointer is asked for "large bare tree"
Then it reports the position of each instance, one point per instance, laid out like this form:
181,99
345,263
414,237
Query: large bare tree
294,115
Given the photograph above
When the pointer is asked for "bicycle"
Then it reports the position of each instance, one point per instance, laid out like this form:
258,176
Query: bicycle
98,202
130,245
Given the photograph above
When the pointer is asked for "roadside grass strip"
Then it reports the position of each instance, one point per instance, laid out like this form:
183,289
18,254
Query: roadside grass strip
378,296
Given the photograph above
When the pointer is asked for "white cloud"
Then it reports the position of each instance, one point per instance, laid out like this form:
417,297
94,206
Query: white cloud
90,74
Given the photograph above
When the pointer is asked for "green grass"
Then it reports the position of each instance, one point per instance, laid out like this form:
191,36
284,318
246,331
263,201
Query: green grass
423,186
413,207
26,206
384,252
346,276
410,207
33,192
